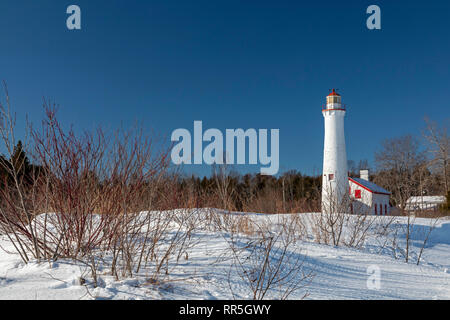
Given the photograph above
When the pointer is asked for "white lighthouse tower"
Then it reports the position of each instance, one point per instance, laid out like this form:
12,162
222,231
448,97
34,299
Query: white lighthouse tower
335,176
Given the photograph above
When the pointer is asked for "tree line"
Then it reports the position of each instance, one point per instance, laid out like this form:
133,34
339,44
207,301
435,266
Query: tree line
403,167
406,166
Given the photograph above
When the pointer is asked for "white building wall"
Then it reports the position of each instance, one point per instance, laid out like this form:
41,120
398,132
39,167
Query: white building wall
334,160
366,205
383,200
363,205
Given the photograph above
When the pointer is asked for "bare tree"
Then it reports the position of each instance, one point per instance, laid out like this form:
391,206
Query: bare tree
224,187
401,165
403,169
439,149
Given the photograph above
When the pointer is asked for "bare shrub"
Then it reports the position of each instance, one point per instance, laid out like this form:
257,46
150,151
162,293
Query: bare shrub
328,224
267,201
95,199
358,229
426,233
271,263
338,225
385,232
224,187
229,222
17,192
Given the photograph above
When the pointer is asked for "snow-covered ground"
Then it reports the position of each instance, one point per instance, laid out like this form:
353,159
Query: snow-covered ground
339,272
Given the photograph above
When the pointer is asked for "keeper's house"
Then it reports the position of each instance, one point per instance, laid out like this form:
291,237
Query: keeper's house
367,197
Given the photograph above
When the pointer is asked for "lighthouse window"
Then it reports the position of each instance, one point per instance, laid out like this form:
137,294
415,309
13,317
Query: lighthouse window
331,176
358,194
333,99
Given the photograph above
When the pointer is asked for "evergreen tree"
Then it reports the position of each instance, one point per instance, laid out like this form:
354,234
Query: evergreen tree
20,162
19,159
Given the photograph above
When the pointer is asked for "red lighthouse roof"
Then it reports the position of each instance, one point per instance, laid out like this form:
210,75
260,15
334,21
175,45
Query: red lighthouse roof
334,93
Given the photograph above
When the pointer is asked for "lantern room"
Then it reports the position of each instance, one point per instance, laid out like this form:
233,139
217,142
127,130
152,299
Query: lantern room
334,99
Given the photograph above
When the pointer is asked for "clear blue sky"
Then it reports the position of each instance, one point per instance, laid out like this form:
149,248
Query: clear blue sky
232,64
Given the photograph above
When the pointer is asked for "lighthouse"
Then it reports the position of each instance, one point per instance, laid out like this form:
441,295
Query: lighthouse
335,184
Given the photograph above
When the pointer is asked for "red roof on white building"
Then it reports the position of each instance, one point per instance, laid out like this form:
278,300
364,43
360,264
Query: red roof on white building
369,186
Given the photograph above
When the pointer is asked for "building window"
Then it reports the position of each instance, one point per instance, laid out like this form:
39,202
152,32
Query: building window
358,194
331,177
385,209
376,213
381,209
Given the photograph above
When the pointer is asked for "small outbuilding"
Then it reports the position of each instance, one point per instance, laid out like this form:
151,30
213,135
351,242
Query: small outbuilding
367,197
424,203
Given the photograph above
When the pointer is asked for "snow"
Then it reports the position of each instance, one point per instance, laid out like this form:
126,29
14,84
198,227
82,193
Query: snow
339,272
